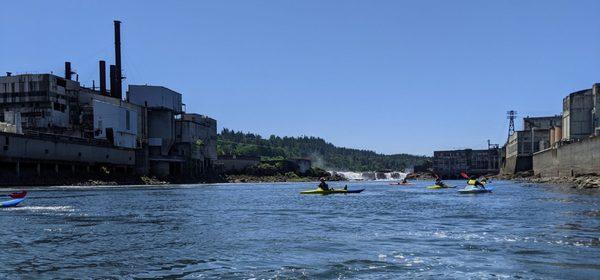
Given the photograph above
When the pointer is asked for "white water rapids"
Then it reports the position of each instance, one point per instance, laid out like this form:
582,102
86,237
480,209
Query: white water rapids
371,176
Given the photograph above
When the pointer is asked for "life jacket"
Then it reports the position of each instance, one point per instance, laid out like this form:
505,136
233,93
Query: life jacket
471,182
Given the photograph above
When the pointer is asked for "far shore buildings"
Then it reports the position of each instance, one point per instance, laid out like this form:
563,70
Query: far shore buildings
563,145
449,164
52,124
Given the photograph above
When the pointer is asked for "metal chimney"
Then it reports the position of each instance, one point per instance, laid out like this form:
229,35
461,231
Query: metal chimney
118,76
102,65
68,70
113,81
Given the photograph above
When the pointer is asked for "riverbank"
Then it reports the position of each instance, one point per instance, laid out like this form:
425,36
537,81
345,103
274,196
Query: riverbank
278,178
104,180
583,181
579,182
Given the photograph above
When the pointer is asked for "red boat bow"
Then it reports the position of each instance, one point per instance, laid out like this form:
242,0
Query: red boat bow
18,194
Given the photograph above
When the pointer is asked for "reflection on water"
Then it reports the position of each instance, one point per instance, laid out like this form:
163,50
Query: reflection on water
269,231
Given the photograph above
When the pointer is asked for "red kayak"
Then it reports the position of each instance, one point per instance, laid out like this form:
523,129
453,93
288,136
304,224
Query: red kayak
20,194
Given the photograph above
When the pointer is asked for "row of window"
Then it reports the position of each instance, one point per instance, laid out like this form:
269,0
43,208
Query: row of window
31,94
20,86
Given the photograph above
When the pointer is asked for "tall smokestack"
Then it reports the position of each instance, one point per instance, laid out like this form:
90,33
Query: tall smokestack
68,70
113,81
102,65
118,75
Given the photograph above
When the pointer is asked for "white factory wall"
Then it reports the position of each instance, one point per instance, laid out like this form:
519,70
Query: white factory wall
122,120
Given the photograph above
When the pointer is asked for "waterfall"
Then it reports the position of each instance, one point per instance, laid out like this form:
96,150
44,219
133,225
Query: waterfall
370,175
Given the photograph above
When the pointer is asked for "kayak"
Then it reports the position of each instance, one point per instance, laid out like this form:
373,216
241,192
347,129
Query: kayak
474,190
321,191
437,187
20,194
12,203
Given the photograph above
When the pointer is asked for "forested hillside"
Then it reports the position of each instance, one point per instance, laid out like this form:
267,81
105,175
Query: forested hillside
322,153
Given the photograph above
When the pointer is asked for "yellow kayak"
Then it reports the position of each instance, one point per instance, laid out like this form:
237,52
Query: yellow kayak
321,191
436,187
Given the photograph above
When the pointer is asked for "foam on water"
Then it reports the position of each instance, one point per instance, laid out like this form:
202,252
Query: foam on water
41,208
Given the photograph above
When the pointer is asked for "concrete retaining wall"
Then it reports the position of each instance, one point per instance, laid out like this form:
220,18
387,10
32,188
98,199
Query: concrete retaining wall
516,164
571,159
17,147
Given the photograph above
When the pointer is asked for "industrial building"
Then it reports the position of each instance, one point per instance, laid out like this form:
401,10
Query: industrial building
521,145
577,122
53,122
575,146
449,164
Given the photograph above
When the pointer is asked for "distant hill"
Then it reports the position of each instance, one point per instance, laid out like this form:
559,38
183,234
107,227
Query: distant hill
323,154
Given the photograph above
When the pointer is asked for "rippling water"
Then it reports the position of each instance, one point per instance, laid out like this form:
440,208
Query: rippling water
270,231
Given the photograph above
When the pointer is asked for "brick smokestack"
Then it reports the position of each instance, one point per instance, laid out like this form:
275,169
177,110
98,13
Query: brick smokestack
102,66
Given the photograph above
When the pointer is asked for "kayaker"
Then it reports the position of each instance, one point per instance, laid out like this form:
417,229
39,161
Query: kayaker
439,182
475,182
404,181
323,185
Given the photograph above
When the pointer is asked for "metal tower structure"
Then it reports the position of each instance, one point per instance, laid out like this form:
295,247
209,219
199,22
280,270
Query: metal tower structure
511,116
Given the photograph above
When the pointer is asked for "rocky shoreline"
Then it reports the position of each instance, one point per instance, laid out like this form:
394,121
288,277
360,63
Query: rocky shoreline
579,182
582,181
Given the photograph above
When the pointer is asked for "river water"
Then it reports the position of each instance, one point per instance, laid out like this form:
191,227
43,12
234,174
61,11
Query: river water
261,231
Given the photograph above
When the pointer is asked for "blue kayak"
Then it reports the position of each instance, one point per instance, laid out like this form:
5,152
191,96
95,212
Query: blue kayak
12,203
474,190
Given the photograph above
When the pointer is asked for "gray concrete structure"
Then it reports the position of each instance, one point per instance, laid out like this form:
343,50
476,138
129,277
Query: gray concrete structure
577,121
234,164
449,164
596,109
535,136
157,97
162,105
541,122
196,142
42,100
582,157
61,148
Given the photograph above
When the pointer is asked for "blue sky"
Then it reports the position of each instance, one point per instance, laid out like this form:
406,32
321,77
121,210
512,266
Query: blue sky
389,76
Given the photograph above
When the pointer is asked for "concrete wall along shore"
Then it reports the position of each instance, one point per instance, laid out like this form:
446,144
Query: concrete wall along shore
50,148
578,158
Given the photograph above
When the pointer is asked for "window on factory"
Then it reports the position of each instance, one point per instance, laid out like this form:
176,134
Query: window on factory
59,107
21,86
12,87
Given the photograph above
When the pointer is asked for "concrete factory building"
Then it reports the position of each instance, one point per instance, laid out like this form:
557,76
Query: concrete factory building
577,122
521,145
449,164
48,122
575,148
